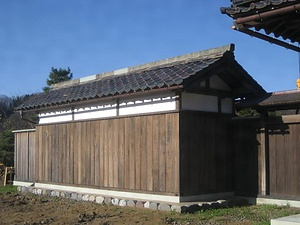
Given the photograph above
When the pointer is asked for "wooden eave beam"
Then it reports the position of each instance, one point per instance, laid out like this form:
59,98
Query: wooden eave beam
269,39
275,12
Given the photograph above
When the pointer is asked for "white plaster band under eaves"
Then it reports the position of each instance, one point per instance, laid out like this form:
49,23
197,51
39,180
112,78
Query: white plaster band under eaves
128,195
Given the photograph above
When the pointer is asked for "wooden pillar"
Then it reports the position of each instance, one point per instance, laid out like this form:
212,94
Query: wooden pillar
263,161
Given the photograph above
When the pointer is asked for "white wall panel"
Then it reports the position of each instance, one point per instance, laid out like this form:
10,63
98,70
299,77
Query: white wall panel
226,105
150,104
127,106
205,103
92,111
55,116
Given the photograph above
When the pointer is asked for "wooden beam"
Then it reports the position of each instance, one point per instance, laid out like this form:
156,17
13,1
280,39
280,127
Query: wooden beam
269,39
263,190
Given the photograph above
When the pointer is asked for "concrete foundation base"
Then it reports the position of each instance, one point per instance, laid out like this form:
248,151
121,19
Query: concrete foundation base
289,220
189,207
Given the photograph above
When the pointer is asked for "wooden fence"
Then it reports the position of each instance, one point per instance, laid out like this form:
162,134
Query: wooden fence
132,153
186,153
25,155
206,153
267,156
183,153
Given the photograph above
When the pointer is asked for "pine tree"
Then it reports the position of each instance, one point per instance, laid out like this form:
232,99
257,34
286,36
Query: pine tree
57,76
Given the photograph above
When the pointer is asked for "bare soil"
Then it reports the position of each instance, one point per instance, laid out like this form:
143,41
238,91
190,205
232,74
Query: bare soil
28,209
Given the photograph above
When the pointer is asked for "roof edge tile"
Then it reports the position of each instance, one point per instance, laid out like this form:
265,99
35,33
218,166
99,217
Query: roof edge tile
151,65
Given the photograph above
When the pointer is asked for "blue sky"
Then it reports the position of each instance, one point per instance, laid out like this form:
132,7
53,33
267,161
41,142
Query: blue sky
93,36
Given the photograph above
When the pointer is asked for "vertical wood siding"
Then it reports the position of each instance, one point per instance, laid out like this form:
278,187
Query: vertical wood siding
24,156
132,153
206,153
247,157
267,156
284,158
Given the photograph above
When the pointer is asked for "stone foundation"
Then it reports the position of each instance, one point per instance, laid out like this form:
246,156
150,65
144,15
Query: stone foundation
106,200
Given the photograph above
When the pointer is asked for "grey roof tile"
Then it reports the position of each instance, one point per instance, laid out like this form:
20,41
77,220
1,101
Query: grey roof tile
166,73
274,100
245,6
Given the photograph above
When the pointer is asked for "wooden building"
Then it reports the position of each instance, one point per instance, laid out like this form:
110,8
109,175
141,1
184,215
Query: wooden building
267,149
161,131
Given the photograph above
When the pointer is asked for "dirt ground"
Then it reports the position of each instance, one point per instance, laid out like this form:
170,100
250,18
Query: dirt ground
29,209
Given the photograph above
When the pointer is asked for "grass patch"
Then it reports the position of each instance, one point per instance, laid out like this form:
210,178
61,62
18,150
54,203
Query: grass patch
255,214
8,188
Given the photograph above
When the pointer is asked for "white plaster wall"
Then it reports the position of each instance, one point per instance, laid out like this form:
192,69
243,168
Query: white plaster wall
92,111
149,104
127,106
55,116
205,103
226,105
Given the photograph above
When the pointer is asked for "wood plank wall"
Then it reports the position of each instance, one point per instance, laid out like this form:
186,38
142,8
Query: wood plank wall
267,156
206,153
247,145
284,158
24,156
138,153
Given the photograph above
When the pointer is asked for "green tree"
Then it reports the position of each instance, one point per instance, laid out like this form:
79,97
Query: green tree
7,147
57,76
11,121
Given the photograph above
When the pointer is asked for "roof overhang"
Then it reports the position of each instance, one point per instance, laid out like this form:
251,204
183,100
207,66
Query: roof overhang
283,100
173,74
277,22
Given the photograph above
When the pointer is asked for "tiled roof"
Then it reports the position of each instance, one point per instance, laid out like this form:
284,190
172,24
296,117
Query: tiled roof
275,100
275,21
239,7
171,73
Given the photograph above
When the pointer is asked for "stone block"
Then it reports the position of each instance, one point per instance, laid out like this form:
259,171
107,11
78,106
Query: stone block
79,197
215,205
122,203
48,193
204,206
62,194
19,188
44,192
147,205
85,197
223,203
24,189
68,195
74,196
192,208
107,200
92,198
39,191
115,201
99,199
139,204
164,207
57,193
153,205
131,203
178,208
53,193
